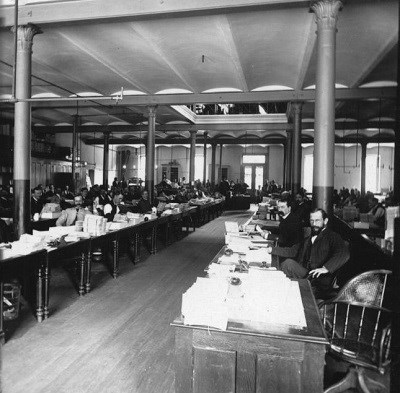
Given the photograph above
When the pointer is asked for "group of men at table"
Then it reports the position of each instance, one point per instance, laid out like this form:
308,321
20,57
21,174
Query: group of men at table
307,247
105,205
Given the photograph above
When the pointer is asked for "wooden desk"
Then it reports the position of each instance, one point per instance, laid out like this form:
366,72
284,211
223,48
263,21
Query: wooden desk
27,268
252,357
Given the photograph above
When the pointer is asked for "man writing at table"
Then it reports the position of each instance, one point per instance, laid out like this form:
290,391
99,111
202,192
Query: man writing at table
71,215
320,255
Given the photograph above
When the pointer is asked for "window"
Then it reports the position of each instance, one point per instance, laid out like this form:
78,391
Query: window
142,166
254,159
198,167
248,176
308,172
373,173
259,179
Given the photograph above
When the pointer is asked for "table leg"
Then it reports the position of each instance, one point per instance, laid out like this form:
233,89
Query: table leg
137,240
1,314
153,240
46,291
39,296
82,274
115,258
88,271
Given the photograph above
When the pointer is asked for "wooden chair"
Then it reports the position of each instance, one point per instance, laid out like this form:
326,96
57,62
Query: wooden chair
358,329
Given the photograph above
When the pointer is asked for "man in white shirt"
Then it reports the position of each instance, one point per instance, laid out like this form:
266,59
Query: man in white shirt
71,215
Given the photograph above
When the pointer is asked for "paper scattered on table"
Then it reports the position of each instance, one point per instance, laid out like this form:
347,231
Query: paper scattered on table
229,259
264,296
231,227
204,304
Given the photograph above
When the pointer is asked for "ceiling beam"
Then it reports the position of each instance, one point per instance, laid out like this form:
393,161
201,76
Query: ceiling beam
339,125
221,98
237,141
57,12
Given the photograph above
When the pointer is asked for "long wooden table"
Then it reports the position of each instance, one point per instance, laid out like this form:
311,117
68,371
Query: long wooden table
38,265
252,357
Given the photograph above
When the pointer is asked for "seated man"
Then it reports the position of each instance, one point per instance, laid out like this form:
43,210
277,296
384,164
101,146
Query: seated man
37,201
144,204
320,255
377,211
111,209
71,215
290,230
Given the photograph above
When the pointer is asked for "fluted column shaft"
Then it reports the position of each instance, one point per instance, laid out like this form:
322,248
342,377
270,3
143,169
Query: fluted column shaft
326,12
22,129
213,154
150,152
105,158
192,156
205,159
297,109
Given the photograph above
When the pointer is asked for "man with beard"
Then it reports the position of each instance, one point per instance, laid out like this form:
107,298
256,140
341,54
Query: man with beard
71,215
320,255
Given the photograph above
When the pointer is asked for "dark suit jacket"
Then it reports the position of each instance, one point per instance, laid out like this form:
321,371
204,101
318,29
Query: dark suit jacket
36,206
144,206
290,237
328,250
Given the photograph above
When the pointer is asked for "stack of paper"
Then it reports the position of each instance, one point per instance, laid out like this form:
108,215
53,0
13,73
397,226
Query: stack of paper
257,256
204,304
231,227
27,244
94,225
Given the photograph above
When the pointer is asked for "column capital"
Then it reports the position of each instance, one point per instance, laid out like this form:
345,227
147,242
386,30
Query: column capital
152,110
297,107
326,12
205,134
192,132
25,34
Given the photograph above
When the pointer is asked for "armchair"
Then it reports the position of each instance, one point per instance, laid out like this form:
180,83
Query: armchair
358,329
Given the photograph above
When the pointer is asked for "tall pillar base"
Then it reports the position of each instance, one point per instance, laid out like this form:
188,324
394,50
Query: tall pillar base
22,208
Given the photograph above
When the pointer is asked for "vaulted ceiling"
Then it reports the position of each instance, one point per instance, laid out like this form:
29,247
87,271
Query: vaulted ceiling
177,54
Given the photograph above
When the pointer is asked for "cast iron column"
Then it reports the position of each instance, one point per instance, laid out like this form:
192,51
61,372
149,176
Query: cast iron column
289,160
106,151
326,12
22,130
297,107
74,151
213,154
150,152
192,156
220,162
205,159
363,166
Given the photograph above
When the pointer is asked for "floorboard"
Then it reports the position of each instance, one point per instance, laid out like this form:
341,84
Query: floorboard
118,337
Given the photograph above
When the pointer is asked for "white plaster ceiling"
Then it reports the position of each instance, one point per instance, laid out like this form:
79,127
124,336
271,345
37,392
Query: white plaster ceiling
195,52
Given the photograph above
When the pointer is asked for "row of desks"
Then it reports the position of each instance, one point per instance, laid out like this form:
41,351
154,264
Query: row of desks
252,356
34,269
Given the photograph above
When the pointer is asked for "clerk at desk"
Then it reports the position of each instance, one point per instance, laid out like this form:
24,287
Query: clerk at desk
320,256
144,203
36,201
71,215
290,230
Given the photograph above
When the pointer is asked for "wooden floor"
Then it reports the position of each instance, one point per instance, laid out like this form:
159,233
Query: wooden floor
117,338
